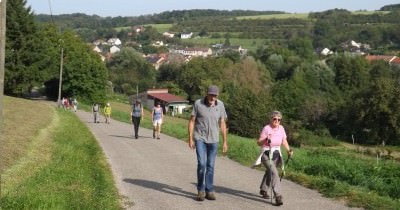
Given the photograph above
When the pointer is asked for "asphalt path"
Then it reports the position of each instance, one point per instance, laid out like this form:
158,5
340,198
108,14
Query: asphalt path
161,174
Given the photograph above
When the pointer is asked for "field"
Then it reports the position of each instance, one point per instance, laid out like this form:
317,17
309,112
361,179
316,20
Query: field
46,164
276,16
250,44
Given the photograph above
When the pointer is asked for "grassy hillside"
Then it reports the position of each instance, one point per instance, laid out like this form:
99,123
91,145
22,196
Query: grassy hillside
55,167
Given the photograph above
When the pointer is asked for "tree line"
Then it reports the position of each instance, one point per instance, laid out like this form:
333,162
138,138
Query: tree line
341,95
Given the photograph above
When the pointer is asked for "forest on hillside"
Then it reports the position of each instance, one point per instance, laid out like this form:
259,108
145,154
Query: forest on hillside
341,96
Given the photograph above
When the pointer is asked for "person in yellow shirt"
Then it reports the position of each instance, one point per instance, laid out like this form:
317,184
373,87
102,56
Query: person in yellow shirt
107,113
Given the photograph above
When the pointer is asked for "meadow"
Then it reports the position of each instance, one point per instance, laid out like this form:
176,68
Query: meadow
55,167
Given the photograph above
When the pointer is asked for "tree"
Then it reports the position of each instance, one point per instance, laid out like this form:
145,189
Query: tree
84,74
20,74
129,68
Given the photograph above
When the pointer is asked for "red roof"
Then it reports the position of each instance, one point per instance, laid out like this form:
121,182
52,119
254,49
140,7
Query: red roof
396,61
167,97
386,58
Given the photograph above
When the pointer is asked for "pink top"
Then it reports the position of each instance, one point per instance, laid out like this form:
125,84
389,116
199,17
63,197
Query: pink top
277,135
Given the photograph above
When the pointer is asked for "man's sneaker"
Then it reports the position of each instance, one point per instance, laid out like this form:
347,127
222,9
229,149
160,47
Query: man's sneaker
200,196
264,194
278,200
210,195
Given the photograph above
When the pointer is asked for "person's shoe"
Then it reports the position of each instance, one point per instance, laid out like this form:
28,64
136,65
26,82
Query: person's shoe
264,194
158,138
210,196
200,196
278,200
136,137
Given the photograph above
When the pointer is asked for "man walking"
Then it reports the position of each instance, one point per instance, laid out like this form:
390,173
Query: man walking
136,116
207,116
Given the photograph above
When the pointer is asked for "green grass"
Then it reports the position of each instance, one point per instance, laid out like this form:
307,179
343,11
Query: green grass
276,16
250,44
67,170
161,28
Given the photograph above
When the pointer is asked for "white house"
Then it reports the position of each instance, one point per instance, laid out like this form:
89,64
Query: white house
195,51
97,49
114,41
326,52
169,35
186,35
114,49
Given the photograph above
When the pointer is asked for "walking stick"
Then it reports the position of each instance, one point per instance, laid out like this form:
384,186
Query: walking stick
270,164
283,166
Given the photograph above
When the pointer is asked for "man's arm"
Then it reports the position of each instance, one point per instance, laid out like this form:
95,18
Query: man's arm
224,132
190,131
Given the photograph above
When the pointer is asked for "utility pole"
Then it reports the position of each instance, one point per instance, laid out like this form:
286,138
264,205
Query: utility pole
61,71
3,5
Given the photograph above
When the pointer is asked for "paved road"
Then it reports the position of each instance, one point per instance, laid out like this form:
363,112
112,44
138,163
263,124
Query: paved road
161,174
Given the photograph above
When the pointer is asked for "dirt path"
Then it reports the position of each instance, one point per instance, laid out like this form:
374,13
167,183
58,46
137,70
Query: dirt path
161,174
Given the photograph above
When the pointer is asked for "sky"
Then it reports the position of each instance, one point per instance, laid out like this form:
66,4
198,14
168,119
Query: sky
115,8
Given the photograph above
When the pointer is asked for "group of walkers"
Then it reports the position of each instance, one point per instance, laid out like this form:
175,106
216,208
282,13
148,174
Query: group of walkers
157,116
106,111
207,117
69,103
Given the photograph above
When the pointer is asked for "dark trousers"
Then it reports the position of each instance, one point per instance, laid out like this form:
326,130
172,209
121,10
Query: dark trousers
136,123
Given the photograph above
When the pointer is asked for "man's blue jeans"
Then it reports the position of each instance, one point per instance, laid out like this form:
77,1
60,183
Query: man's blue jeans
206,154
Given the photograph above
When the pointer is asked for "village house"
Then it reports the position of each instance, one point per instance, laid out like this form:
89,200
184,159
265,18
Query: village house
114,41
186,35
156,60
114,49
169,102
137,29
168,35
390,59
194,51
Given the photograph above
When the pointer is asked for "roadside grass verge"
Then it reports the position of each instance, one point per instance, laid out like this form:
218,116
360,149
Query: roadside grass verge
74,175
333,170
23,119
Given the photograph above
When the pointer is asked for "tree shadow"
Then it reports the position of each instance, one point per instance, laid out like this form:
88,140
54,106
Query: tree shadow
161,187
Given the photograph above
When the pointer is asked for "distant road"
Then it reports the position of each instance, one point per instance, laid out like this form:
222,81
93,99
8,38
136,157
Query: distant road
161,174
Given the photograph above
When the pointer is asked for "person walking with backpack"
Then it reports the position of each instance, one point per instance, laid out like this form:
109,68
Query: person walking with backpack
208,115
157,116
136,115
271,138
95,112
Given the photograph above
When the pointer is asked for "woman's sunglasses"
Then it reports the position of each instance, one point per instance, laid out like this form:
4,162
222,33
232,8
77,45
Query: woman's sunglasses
276,119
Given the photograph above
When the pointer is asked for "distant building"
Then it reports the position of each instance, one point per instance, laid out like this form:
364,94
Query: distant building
114,41
156,60
168,101
168,35
194,51
114,49
390,59
186,35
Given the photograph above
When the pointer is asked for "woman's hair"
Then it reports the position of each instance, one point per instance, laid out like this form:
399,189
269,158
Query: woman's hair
276,114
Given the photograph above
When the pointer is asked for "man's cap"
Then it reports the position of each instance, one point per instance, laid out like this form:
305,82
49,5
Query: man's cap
213,90
138,100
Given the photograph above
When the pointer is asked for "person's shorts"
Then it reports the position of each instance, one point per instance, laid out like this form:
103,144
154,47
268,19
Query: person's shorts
155,122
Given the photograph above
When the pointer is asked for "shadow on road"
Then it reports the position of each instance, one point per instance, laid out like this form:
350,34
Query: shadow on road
161,187
239,193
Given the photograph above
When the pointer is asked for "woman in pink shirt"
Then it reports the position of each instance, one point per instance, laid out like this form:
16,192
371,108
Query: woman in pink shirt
271,138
